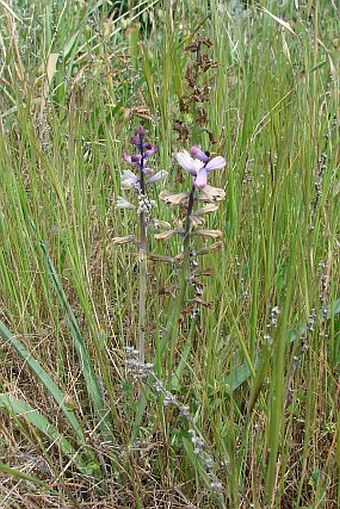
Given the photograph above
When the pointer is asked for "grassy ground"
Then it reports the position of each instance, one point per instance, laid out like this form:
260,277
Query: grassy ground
259,370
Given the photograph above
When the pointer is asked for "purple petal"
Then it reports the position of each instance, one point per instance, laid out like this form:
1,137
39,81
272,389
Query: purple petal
151,151
147,146
135,140
136,158
198,153
216,163
127,158
147,171
185,160
201,179
140,131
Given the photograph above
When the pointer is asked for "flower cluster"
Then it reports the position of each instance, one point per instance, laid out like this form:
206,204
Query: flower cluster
195,204
199,164
144,176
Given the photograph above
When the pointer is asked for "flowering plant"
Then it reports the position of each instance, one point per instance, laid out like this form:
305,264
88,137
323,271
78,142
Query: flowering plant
197,202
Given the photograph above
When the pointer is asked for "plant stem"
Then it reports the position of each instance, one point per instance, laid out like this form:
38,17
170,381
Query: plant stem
142,266
183,282
170,335
188,220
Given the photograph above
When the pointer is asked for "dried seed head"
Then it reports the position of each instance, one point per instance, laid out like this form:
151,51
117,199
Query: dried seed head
210,249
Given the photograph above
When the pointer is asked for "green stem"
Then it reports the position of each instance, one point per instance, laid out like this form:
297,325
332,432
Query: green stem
171,330
172,327
142,300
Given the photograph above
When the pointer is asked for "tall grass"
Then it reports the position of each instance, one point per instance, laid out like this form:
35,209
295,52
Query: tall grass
259,370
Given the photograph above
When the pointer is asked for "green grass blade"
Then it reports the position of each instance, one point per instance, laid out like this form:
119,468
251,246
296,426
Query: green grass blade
91,380
45,379
24,410
240,374
13,472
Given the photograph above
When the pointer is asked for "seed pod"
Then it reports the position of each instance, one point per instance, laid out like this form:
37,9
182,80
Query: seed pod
215,234
161,258
211,194
211,207
210,249
173,199
168,234
123,240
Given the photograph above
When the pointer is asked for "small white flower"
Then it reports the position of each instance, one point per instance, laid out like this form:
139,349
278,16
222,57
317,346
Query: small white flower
158,176
129,179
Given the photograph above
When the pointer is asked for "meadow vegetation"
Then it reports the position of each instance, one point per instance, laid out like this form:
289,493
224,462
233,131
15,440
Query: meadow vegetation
235,400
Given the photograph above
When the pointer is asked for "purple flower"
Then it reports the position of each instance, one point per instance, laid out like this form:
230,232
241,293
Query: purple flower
147,171
197,163
133,159
198,153
140,131
144,149
193,166
136,158
153,149
135,140
122,203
